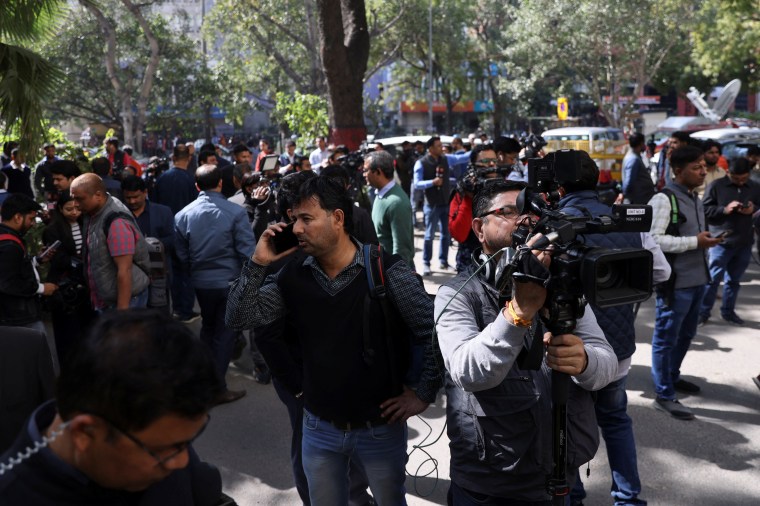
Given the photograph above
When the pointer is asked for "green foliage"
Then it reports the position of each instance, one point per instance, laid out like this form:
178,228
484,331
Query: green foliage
727,41
612,48
27,80
182,88
305,115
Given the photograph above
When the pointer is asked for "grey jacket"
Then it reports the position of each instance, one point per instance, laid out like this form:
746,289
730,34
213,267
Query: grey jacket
498,415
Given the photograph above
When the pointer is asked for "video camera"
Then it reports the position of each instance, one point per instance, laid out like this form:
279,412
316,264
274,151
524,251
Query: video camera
477,175
580,273
352,162
532,144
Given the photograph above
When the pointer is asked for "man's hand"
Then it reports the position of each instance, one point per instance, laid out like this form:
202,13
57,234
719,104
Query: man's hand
438,181
49,288
530,297
402,407
705,240
265,253
732,207
261,193
565,353
748,208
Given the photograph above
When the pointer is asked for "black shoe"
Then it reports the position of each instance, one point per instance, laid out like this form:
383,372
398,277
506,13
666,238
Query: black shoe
733,319
702,320
230,396
686,387
756,379
675,408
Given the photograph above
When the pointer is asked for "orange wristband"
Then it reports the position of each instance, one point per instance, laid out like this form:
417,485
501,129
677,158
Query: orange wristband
520,322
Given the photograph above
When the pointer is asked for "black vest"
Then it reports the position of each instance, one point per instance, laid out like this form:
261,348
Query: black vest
436,195
338,382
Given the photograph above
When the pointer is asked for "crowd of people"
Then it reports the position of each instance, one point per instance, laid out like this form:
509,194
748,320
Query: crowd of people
268,244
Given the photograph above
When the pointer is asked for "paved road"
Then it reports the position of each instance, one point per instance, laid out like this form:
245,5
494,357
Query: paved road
713,460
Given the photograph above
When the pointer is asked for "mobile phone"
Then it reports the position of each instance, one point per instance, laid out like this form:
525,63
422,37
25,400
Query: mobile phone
723,234
49,249
285,240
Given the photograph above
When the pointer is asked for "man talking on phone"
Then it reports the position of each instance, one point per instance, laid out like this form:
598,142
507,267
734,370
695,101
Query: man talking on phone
729,204
355,402
212,239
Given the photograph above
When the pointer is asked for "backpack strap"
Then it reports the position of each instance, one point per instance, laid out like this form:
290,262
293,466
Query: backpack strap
13,238
675,219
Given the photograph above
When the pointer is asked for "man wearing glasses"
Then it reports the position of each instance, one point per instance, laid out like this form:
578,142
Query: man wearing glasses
498,409
136,395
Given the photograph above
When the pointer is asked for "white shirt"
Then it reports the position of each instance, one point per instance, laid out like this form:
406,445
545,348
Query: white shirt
317,157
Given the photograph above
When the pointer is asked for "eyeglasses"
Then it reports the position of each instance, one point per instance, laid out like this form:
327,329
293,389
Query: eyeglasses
507,212
487,161
174,449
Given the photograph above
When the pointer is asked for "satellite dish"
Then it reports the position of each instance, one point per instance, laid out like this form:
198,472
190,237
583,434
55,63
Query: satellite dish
726,98
722,103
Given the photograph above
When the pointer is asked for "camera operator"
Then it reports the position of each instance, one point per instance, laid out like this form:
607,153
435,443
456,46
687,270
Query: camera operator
482,168
617,323
498,413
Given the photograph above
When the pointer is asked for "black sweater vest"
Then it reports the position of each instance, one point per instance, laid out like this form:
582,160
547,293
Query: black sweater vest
338,382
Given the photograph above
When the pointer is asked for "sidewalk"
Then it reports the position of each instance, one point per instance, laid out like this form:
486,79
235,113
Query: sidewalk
713,460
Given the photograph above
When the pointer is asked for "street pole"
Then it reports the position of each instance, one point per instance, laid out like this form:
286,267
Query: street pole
430,68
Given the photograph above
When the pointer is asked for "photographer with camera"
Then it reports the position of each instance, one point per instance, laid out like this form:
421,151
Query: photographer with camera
482,168
499,411
678,226
617,322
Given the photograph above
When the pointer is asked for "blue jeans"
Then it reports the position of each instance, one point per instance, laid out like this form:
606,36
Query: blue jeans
436,216
727,264
617,430
674,328
326,453
214,332
137,301
358,495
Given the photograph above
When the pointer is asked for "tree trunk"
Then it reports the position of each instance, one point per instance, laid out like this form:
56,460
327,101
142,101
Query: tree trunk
344,48
150,71
498,108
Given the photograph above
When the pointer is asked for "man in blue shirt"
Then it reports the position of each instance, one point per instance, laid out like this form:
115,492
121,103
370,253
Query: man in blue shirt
638,187
432,174
175,189
213,239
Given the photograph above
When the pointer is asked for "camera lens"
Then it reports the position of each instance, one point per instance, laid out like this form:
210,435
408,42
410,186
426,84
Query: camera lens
607,276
